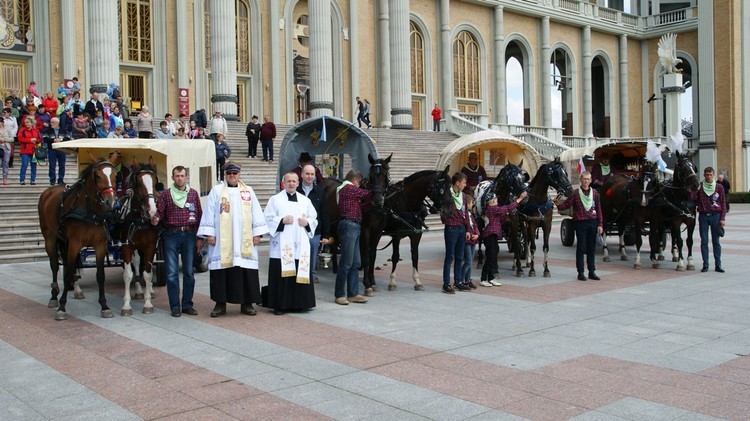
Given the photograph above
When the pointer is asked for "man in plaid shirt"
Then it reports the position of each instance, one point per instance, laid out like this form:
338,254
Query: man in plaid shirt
587,217
179,208
350,198
712,211
457,232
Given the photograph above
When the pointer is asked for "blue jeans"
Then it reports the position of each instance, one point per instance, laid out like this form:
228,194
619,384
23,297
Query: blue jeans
347,277
267,146
469,250
179,243
56,159
704,223
25,161
314,247
455,240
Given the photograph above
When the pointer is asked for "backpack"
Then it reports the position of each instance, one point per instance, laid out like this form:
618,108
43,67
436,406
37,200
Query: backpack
40,153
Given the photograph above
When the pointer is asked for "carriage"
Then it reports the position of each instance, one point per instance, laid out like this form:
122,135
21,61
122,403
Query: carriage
626,158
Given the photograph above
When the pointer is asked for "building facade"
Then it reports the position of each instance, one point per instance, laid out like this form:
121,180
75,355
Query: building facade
570,70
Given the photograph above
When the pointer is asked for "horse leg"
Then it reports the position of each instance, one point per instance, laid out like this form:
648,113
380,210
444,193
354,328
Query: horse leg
623,253
654,240
545,246
638,245
54,265
395,257
69,268
148,275
689,241
480,256
137,275
127,278
677,241
101,251
605,249
530,250
415,240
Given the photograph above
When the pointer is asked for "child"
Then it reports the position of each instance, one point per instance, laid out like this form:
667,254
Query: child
61,91
470,246
32,88
223,151
492,232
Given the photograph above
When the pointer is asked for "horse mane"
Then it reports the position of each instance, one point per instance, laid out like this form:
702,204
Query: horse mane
542,170
86,173
418,174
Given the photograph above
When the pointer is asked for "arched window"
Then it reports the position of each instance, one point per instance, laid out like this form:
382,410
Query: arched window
17,12
242,38
135,30
416,41
466,66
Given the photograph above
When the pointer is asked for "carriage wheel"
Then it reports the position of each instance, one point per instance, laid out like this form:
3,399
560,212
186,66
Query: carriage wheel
567,232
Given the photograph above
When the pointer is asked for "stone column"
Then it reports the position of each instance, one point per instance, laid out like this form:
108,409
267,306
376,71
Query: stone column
102,46
321,58
401,117
384,66
546,75
501,103
446,63
353,56
68,20
706,86
588,122
223,59
181,17
275,64
624,107
671,92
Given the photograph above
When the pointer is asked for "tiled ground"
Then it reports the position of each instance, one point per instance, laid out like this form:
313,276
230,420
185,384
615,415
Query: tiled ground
639,345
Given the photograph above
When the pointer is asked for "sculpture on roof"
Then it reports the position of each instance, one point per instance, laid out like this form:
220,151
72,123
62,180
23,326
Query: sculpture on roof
667,52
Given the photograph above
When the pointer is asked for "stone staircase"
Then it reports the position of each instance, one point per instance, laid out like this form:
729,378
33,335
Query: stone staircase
21,240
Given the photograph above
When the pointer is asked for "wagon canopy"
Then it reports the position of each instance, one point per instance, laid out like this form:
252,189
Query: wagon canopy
625,157
495,149
198,156
339,147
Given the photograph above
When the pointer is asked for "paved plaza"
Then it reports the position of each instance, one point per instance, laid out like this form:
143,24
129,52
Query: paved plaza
638,345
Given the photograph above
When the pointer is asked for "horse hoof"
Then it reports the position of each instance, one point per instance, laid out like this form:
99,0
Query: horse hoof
138,296
624,258
532,274
148,310
78,295
547,275
418,287
606,258
126,312
391,287
375,288
655,265
661,258
61,315
369,292
680,268
519,274
53,304
690,267
107,314
637,266
675,259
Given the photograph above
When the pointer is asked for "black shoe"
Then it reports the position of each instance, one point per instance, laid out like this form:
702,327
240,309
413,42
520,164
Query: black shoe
705,269
191,311
278,312
448,289
176,312
720,270
463,287
248,309
592,275
220,309
33,183
471,285
581,277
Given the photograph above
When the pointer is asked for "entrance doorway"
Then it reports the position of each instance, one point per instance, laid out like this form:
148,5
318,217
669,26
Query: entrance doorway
133,89
416,114
13,77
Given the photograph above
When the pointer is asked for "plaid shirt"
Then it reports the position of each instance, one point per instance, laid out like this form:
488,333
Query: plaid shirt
174,217
716,203
496,216
350,199
580,214
458,217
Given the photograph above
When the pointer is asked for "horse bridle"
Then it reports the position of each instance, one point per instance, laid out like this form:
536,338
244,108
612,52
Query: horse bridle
106,189
376,189
143,199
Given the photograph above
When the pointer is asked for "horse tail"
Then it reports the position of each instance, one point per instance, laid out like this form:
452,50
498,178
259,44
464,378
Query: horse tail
387,245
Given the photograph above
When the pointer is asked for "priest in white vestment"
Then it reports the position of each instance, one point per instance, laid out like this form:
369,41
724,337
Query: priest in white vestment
232,224
291,219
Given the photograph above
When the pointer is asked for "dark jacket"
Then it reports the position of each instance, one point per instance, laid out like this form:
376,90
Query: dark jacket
252,126
200,119
48,136
91,108
267,131
318,198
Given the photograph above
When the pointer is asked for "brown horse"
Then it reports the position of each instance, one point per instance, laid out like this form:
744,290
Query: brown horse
75,217
136,233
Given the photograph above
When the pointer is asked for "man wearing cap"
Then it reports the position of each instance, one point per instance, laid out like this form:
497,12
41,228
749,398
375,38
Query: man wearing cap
232,224
474,172
179,208
601,171
292,220
306,159
217,125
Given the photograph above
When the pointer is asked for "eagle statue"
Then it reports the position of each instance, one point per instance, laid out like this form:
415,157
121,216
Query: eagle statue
667,52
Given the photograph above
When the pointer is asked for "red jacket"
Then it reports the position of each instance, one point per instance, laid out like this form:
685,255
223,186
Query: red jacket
51,105
25,137
436,113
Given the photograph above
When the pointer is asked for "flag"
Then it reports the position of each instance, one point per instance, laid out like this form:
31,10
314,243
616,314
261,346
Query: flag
323,130
581,166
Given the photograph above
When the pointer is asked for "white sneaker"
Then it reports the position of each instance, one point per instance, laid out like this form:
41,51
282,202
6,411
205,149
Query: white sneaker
485,284
495,283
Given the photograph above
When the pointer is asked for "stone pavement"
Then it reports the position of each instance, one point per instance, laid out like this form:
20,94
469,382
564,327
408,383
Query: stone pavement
639,345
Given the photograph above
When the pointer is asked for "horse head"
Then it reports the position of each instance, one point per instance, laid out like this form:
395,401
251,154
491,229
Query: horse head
686,173
511,182
143,181
648,183
379,179
558,179
439,191
100,178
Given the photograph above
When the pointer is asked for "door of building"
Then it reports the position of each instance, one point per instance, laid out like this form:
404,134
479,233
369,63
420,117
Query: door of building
133,89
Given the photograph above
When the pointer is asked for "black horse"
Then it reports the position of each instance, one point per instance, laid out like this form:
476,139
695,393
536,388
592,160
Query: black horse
680,209
538,208
510,182
378,180
404,213
627,202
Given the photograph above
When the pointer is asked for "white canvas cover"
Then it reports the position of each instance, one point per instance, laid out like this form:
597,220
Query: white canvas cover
197,155
501,149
